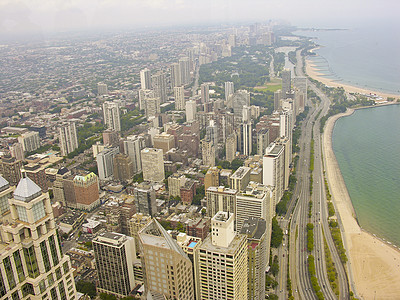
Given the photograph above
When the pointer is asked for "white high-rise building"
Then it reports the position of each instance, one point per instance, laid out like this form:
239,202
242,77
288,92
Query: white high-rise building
190,108
132,147
17,151
153,164
152,107
115,255
159,85
254,201
185,70
102,89
145,79
33,265
229,90
176,75
247,133
240,99
273,169
30,141
111,116
221,261
68,138
143,95
105,162
179,94
262,141
208,153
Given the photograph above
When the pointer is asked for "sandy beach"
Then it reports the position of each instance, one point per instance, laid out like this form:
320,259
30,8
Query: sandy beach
373,266
313,72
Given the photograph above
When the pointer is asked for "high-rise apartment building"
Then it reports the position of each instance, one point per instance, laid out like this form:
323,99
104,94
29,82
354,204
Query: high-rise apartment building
152,107
240,99
33,264
176,75
164,141
143,95
10,168
166,267
205,93
277,99
287,159
273,169
208,153
184,70
145,79
153,164
262,140
300,83
132,147
175,182
111,116
159,85
86,188
68,138
114,254
145,198
229,90
122,167
105,162
232,40
221,261
190,109
231,147
17,151
110,138
286,82
247,138
257,233
30,141
240,179
38,174
211,178
179,94
220,198
102,89
254,201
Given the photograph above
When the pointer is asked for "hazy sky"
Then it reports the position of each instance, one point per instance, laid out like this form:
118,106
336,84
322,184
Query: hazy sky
54,15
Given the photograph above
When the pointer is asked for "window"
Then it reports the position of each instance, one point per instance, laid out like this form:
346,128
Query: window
53,250
31,262
66,267
15,296
27,289
4,206
2,286
53,293
62,290
45,255
18,265
50,279
9,272
42,286
38,211
58,273
22,213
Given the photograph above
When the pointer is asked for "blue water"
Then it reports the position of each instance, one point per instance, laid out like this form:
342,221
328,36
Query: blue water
367,147
366,57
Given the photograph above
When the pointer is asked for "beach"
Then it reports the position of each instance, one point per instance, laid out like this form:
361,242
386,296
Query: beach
373,265
313,72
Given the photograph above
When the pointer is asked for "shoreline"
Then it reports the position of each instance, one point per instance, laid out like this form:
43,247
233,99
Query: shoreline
312,71
367,254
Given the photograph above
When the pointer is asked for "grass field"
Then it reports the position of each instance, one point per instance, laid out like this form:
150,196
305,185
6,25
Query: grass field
272,86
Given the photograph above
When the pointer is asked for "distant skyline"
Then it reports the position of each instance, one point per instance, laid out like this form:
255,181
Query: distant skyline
60,15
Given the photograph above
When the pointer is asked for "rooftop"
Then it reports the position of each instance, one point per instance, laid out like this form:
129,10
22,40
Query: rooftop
233,246
4,184
27,190
241,172
254,228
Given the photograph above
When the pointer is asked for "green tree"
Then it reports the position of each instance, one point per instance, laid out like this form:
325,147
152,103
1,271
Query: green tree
86,287
277,234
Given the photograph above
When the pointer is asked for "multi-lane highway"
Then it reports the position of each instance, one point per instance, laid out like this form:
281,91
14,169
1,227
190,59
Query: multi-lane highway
298,214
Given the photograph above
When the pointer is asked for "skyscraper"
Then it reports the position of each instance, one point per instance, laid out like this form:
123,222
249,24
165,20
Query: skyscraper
184,70
33,264
30,141
257,233
221,261
190,108
102,89
152,107
153,164
145,79
143,95
159,85
240,179
68,138
115,254
17,151
167,268
132,147
229,90
273,169
145,199
111,116
262,140
231,147
286,82
220,198
240,99
105,162
208,153
10,168
179,94
205,93
176,75
122,167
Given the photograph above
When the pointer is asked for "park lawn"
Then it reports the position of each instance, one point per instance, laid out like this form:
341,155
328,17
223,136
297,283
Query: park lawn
270,88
